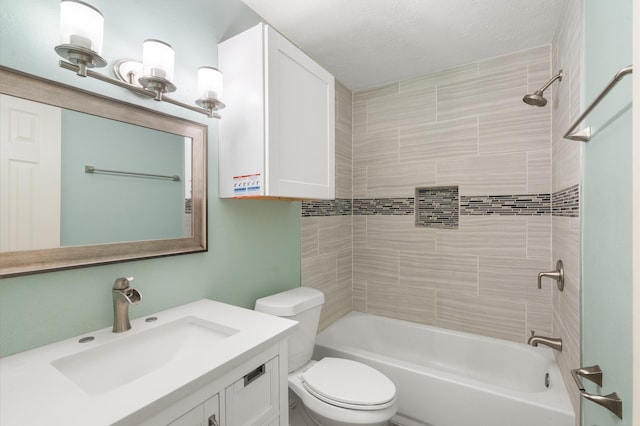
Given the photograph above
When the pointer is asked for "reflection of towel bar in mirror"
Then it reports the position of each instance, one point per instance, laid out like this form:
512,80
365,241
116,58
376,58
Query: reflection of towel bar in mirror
91,169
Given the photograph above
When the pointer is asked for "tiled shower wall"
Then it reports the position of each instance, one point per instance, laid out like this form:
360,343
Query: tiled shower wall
326,240
464,127
466,130
567,163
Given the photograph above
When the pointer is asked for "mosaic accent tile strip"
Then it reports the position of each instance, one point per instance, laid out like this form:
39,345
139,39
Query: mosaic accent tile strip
337,207
187,205
506,205
437,207
567,202
443,209
383,206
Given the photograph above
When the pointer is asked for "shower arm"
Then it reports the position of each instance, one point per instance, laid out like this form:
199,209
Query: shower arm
554,78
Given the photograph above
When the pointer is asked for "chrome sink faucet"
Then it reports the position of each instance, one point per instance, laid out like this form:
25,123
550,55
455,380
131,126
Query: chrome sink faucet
123,296
552,342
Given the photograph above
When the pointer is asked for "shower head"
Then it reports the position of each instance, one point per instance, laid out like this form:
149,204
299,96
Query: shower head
536,98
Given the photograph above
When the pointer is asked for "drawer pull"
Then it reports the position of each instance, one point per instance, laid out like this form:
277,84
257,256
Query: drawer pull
254,374
212,420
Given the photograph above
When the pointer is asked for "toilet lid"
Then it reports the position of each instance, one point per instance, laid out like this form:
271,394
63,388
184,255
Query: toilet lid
349,384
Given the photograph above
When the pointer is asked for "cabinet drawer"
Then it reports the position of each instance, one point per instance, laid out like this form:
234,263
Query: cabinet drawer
253,399
205,414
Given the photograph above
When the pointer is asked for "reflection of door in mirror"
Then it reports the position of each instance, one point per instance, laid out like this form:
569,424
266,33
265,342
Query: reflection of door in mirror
30,150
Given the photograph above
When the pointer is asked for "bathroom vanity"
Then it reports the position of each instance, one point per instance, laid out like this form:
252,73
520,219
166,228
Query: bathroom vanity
203,363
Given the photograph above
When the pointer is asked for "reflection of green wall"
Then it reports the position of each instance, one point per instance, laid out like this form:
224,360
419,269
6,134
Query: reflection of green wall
254,246
101,208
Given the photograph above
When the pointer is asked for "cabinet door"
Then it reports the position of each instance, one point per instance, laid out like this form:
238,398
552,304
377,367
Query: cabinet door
254,399
206,414
300,141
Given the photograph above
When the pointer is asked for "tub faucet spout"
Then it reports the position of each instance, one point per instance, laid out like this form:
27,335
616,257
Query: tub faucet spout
123,296
552,342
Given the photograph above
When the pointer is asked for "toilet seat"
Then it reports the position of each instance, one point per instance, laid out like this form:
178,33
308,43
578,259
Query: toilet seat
349,384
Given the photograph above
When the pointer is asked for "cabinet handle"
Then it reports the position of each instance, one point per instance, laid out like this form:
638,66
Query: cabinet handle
212,420
254,374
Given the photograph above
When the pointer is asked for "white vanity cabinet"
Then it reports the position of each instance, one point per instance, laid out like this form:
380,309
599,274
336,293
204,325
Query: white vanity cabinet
277,135
251,395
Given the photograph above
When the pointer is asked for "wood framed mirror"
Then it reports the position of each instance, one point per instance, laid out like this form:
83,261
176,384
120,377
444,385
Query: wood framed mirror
129,211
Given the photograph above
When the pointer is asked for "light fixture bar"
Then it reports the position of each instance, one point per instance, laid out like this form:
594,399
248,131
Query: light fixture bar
139,90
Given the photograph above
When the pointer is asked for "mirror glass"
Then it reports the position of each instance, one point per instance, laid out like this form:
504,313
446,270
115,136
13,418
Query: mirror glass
87,179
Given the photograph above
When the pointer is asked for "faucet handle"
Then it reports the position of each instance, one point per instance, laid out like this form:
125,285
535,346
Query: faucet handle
533,333
122,283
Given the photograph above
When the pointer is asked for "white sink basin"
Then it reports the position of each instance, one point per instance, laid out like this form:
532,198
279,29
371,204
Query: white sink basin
114,364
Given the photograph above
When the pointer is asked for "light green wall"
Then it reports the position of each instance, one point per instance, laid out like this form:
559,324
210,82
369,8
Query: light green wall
607,210
254,246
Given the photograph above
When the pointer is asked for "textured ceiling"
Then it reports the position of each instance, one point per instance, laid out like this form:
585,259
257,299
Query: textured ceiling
368,43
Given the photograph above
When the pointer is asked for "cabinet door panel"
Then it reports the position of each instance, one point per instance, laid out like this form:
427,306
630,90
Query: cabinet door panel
301,133
254,403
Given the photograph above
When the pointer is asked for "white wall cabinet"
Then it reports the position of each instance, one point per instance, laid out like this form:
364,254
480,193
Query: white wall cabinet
277,134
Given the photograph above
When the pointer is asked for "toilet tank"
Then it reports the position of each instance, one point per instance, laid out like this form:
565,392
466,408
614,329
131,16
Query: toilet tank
302,304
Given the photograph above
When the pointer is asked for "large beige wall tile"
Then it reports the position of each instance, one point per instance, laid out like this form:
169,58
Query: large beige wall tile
485,236
344,165
375,265
485,175
320,272
439,271
399,179
539,319
398,233
508,278
448,139
309,237
483,95
371,149
539,172
344,109
520,129
401,109
360,182
502,319
334,234
539,237
406,303
337,304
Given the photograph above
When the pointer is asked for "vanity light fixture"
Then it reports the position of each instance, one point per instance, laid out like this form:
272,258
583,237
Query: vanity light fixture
81,31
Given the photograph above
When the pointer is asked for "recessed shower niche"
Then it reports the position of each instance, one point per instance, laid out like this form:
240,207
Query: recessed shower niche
437,207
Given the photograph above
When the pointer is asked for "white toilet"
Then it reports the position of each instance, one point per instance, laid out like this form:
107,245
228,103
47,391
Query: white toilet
331,391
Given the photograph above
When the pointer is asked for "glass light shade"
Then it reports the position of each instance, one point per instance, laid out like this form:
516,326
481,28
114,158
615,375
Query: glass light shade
209,83
81,25
157,59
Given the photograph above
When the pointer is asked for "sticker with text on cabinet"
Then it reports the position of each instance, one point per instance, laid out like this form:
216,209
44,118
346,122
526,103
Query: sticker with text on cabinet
247,185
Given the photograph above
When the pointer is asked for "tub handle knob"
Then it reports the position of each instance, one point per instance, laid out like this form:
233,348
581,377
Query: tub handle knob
611,402
557,275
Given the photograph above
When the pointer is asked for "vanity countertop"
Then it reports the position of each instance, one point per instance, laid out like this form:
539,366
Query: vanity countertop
34,390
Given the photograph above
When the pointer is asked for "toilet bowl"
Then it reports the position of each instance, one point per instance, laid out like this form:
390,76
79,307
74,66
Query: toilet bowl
331,391
337,391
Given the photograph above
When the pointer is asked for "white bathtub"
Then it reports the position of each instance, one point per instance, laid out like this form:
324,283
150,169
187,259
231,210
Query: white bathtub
449,378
